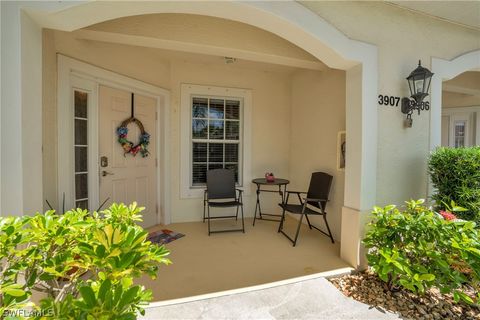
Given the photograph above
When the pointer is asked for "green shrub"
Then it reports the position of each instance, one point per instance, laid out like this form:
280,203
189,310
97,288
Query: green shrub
455,173
417,249
84,262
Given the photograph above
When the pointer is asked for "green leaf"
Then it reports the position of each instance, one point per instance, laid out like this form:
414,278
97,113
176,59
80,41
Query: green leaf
127,282
115,253
420,287
33,277
9,230
118,294
14,292
128,297
46,277
397,264
128,316
427,277
456,296
104,288
88,296
127,259
474,251
100,251
59,241
407,285
464,297
108,300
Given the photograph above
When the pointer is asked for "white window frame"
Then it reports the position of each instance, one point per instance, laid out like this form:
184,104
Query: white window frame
239,142
188,91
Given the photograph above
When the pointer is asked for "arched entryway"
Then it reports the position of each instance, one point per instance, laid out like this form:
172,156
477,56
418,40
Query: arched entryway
446,70
308,31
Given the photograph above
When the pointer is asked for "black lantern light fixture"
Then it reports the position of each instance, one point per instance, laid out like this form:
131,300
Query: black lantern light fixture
419,84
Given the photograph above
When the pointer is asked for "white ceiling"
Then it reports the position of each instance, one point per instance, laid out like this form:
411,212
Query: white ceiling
466,13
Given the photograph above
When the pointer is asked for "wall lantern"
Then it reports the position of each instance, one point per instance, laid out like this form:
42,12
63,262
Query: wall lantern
419,84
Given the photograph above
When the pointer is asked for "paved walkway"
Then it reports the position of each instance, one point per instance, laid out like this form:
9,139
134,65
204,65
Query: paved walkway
308,299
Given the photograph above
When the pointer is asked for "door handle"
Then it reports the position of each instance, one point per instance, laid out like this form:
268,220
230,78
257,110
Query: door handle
106,173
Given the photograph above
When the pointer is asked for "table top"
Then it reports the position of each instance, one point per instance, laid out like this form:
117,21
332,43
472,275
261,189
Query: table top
263,181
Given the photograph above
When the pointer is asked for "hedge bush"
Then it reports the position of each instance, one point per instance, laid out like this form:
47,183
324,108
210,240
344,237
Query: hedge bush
455,173
417,249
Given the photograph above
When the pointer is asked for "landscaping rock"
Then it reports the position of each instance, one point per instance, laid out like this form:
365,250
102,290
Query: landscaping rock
366,287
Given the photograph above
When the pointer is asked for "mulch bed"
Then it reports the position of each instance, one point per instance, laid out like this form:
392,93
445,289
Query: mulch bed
369,289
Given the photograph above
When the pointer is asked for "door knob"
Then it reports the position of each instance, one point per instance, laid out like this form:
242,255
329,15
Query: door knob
106,173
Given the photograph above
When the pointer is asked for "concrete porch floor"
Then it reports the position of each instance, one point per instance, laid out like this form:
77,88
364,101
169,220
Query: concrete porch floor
205,264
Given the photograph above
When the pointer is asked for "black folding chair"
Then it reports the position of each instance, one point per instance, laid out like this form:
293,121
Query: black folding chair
314,204
221,193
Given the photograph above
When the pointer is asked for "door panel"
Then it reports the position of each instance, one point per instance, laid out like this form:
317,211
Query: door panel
127,178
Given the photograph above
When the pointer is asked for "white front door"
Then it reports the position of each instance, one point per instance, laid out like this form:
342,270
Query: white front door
124,177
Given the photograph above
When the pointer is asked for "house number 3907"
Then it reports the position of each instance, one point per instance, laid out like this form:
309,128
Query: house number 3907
388,100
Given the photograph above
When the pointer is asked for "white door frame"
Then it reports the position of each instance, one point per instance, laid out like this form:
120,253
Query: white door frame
76,74
468,130
472,115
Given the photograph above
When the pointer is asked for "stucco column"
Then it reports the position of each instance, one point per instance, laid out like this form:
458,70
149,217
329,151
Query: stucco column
361,159
11,174
21,112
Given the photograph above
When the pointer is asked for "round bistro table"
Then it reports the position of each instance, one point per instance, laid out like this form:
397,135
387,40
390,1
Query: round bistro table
263,182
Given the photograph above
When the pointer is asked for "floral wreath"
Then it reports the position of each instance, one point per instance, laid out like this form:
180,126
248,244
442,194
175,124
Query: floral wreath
129,146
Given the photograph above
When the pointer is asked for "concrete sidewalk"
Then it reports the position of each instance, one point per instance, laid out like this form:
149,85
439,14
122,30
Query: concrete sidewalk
313,298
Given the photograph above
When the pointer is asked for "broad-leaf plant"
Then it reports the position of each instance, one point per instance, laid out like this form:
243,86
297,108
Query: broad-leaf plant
82,263
418,248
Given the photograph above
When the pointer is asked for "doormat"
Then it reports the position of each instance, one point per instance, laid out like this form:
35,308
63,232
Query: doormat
164,236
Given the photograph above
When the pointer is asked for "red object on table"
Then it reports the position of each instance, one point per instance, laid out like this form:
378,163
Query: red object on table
269,177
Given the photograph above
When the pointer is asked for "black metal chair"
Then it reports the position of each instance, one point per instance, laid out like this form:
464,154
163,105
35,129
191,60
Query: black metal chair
221,193
314,204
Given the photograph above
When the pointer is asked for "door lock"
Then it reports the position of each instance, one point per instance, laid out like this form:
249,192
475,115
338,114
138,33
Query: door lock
106,173
103,162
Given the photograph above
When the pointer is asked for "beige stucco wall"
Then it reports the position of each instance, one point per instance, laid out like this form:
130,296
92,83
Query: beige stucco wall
317,115
402,38
271,92
462,91
204,30
456,100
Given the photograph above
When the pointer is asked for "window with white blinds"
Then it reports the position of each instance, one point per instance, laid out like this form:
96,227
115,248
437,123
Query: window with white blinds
216,142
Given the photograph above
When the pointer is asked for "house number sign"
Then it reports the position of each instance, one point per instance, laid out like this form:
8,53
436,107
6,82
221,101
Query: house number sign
385,100
393,101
